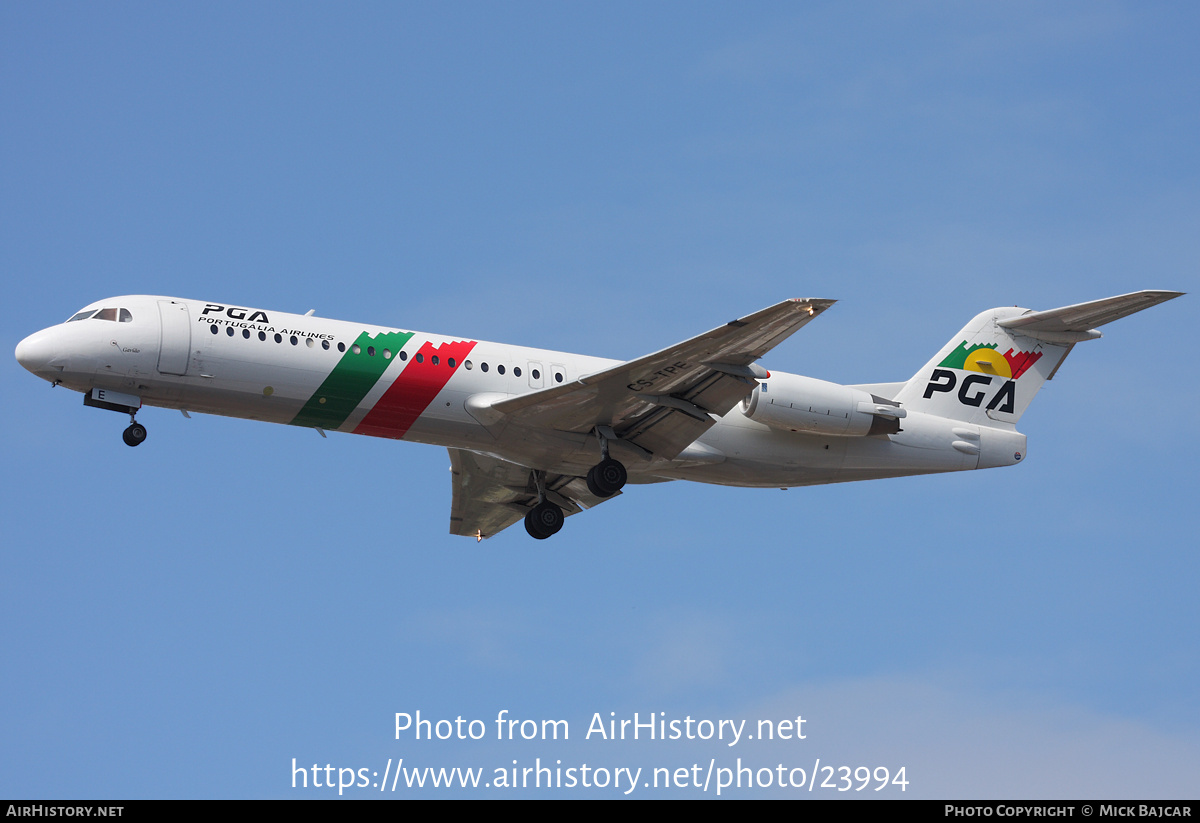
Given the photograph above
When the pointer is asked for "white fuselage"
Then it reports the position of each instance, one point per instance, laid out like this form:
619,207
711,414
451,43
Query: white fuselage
350,377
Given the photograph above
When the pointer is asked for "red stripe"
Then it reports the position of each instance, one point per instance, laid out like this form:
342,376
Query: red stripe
414,389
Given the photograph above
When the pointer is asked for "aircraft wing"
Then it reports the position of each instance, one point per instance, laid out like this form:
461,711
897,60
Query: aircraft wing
664,401
491,494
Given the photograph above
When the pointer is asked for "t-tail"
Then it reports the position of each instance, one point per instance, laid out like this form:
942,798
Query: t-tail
990,371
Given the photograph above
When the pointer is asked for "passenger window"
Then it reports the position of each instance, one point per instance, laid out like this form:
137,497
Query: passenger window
499,370
516,371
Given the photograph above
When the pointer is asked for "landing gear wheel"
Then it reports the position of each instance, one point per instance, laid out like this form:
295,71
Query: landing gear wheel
134,435
543,520
606,478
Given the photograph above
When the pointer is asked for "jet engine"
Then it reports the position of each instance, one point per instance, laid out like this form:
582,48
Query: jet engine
790,402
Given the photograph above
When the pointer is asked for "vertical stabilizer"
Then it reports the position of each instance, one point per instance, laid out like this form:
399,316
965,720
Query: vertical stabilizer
990,371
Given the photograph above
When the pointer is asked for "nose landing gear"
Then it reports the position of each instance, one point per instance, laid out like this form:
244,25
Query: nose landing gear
118,402
134,435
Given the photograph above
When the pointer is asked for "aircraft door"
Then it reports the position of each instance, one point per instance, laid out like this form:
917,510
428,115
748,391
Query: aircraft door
175,340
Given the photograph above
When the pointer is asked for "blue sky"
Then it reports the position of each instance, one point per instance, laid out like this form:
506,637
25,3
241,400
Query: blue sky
184,619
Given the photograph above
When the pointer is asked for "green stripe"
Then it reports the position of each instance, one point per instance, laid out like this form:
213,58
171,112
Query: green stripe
350,380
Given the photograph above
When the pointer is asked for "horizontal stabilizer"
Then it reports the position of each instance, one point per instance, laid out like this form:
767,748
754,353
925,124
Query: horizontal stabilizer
1077,322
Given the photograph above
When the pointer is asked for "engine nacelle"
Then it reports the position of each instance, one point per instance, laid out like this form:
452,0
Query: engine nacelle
803,404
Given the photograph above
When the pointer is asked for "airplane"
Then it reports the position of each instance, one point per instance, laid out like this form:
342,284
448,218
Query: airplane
540,435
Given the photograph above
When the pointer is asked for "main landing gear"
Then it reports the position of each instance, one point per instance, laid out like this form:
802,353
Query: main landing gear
604,479
545,518
607,477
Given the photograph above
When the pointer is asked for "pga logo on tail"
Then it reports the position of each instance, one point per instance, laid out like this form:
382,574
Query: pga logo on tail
984,359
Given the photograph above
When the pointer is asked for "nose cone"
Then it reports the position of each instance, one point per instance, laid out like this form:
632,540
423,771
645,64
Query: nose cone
37,353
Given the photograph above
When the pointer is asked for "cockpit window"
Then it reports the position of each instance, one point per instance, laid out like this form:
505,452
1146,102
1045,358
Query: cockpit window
116,315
